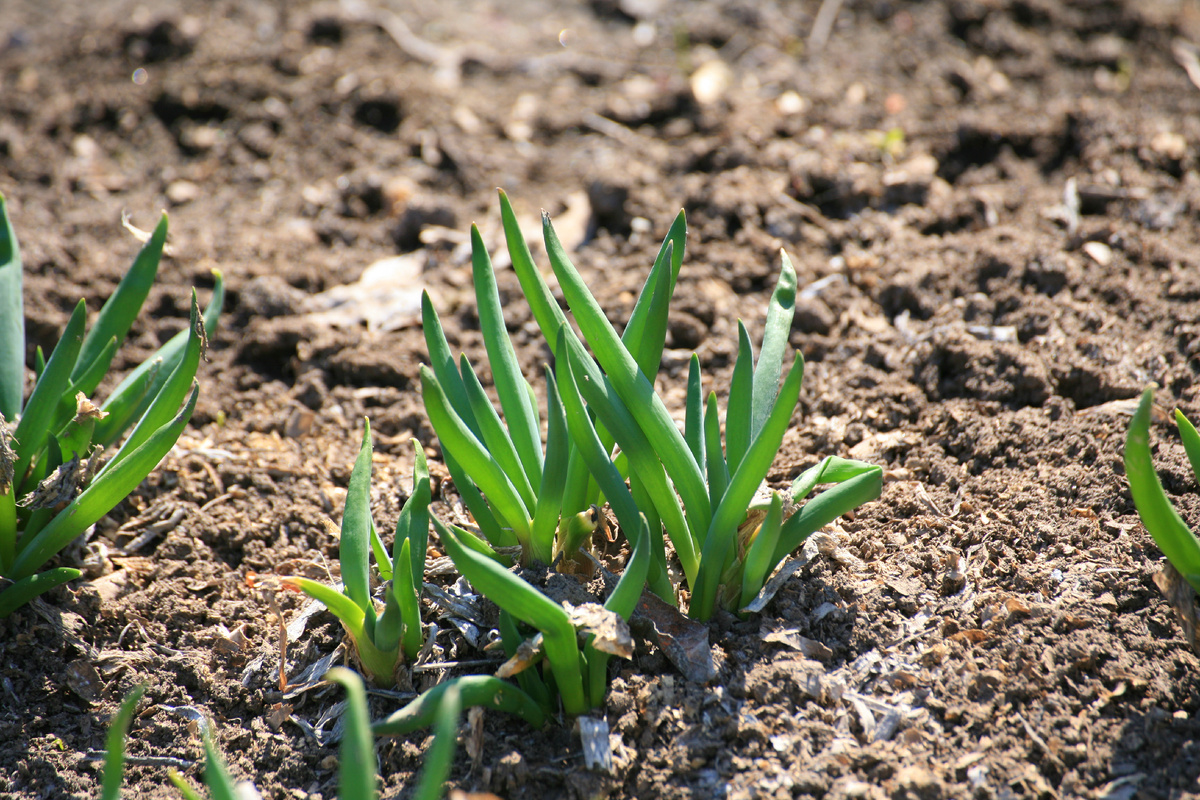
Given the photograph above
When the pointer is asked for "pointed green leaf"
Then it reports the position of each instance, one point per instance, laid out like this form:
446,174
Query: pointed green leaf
478,463
164,404
645,335
354,545
408,601
413,524
34,427
1191,442
554,476
742,486
443,364
511,386
356,754
718,471
693,424
24,590
630,384
114,755
1158,514
494,436
122,307
12,320
741,402
643,457
216,774
439,758
129,401
780,312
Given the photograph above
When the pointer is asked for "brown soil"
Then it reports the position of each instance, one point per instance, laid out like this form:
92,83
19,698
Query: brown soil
991,623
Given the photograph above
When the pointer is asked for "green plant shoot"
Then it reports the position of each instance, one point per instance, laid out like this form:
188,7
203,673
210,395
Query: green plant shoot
51,485
383,641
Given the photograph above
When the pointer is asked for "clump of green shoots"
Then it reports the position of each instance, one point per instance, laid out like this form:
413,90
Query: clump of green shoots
384,641
52,487
1172,535
689,483
610,440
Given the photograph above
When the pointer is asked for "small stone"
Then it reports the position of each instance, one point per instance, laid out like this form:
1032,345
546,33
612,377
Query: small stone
180,192
711,81
1099,252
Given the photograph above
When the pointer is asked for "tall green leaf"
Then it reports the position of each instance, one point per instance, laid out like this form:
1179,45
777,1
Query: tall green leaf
34,427
630,384
169,396
12,320
519,412
133,395
354,545
114,754
494,436
742,486
356,755
479,464
738,423
645,334
780,311
548,512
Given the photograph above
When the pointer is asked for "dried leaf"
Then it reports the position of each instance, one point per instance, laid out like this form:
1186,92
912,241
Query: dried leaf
85,409
84,680
970,636
1181,597
529,652
681,639
772,632
610,631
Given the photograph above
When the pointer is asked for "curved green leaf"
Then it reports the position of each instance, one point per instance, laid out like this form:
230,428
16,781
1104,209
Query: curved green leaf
531,607
780,312
24,590
114,754
1163,522
474,690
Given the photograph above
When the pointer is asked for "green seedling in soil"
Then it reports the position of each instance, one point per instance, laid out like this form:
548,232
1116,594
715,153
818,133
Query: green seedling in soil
1172,535
576,672
442,707
685,481
394,637
51,488
517,491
